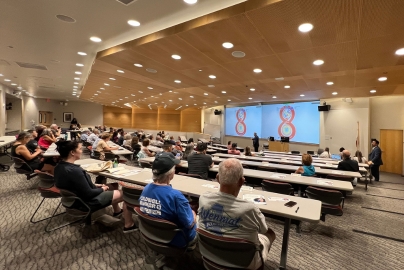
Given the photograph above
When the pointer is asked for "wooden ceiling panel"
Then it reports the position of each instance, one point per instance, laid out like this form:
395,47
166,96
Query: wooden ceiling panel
370,79
201,75
334,22
238,30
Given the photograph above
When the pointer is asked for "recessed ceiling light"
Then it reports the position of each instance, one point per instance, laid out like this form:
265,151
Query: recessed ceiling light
133,23
170,100
151,70
212,76
372,91
126,97
81,53
74,86
79,65
273,96
149,87
77,72
106,84
120,71
19,87
191,96
382,79
170,91
176,57
200,70
228,45
211,85
98,91
257,70
73,94
132,95
252,89
302,95
195,104
223,92
95,39
334,93
13,84
330,83
138,65
186,105
141,92
400,51
102,88
229,100
180,98
287,86
215,101
190,2
177,81
318,62
113,79
7,80
76,83
95,94
250,98
306,27
77,79
120,99
206,94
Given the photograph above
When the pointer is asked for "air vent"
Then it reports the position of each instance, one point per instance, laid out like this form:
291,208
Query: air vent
65,18
126,2
238,54
151,70
33,66
4,62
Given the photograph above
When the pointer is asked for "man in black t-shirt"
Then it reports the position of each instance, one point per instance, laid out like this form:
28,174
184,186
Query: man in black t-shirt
32,145
199,162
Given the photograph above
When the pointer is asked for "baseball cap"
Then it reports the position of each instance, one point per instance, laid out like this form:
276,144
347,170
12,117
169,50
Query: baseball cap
164,162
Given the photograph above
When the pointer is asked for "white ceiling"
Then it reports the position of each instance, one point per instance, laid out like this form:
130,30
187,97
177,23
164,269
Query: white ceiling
38,37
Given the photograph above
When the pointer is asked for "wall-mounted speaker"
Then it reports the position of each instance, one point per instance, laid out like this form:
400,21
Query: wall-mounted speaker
217,112
324,108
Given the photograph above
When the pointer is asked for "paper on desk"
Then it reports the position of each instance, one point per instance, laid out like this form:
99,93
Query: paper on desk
149,181
278,176
130,173
254,198
278,199
246,188
338,172
296,174
211,186
324,182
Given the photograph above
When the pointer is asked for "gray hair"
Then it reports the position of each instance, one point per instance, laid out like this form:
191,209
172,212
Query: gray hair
230,171
53,125
96,131
163,178
47,132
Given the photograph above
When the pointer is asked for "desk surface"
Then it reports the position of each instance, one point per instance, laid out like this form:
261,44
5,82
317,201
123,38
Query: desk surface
7,140
309,210
120,151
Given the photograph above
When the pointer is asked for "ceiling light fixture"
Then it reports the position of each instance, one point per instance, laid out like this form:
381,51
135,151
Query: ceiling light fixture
206,94
102,88
373,91
400,51
287,86
79,65
81,53
257,70
176,57
223,92
77,79
177,81
252,89
138,65
190,2
334,93
302,95
306,27
95,39
330,83
133,23
76,83
120,71
273,96
77,72
250,98
191,96
74,86
229,100
318,62
227,45
382,79
112,79
170,91
212,76
7,80
13,84
106,84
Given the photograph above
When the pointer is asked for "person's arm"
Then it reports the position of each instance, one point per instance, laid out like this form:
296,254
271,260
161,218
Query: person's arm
211,162
300,170
339,166
84,191
147,152
186,217
49,138
23,151
105,147
260,221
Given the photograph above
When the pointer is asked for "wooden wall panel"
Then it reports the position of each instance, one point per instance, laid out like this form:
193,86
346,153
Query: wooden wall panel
117,117
191,120
144,118
169,119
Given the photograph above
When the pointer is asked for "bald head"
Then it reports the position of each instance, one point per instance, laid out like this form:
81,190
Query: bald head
346,154
230,172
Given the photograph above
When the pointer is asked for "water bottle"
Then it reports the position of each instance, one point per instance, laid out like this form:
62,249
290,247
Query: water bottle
115,164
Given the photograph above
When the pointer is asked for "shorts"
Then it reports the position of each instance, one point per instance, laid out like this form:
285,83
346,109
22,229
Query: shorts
101,201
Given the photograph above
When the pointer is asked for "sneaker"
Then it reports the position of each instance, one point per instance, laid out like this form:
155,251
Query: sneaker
130,229
118,214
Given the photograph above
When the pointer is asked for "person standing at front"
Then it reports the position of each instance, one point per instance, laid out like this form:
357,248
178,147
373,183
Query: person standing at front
256,142
375,159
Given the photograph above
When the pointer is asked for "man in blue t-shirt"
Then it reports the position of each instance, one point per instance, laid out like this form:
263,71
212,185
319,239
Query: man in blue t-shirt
160,200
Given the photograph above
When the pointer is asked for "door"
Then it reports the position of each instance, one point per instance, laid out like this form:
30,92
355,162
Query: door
45,118
391,144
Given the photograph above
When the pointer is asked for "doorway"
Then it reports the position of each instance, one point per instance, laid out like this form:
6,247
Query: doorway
391,144
45,118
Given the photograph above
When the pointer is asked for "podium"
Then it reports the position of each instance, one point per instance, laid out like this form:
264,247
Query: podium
278,146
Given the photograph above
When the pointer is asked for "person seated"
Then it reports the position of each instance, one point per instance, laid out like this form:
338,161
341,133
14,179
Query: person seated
143,137
168,148
171,140
233,150
307,169
189,150
170,204
135,145
39,129
55,130
178,146
224,214
159,140
73,178
84,135
359,158
102,145
340,151
75,122
121,137
325,154
191,142
46,139
114,137
20,150
111,130
248,153
127,140
347,164
229,145
32,145
199,163
93,136
145,152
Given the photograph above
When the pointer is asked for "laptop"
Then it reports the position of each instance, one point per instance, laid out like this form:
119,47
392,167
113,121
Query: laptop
336,156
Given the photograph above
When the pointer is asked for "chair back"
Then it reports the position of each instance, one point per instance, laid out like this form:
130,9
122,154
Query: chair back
19,163
191,175
340,177
131,195
277,187
96,154
310,152
68,200
327,196
220,252
295,152
46,185
158,233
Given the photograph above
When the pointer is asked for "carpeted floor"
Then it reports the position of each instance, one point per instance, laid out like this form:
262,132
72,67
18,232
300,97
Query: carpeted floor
339,243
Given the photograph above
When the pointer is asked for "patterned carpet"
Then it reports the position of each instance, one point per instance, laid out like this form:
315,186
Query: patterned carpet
329,245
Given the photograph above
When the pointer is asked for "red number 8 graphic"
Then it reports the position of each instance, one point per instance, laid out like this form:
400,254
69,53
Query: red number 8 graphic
241,128
286,128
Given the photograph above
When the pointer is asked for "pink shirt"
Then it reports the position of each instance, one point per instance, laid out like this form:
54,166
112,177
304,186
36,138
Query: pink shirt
233,152
44,143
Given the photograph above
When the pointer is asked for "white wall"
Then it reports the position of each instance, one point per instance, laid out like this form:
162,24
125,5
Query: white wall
3,91
13,119
86,113
338,127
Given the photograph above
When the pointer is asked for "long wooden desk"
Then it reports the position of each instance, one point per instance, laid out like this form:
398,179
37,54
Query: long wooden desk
5,143
120,151
309,210
281,177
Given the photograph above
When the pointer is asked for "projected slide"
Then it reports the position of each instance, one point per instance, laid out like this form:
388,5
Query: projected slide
243,121
298,121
